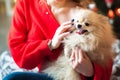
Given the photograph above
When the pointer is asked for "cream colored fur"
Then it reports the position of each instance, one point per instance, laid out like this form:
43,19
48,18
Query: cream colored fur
96,42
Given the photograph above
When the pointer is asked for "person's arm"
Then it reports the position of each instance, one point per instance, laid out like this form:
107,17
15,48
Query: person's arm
102,73
30,34
81,63
89,70
27,44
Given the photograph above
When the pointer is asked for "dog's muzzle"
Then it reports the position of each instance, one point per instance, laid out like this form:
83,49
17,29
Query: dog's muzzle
81,31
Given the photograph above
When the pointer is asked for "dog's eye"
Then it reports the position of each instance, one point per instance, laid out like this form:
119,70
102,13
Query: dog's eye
87,24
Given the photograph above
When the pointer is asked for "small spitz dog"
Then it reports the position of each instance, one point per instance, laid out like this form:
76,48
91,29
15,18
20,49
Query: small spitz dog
94,35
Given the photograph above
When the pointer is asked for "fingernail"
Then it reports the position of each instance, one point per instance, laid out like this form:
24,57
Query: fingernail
72,24
72,20
71,31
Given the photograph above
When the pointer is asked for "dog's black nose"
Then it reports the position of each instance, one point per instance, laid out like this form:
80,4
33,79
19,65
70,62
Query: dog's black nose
79,26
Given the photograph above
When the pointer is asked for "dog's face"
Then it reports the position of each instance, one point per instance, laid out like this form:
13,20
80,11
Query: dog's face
90,30
87,22
83,26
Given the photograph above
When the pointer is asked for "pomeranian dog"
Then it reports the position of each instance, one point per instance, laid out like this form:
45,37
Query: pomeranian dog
94,35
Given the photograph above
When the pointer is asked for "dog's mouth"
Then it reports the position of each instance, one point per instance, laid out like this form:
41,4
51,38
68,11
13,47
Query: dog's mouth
81,31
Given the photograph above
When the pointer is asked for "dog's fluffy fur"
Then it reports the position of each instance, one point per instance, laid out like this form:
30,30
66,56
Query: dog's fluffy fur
94,35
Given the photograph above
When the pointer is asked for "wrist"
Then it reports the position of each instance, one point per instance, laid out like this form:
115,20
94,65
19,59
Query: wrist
50,45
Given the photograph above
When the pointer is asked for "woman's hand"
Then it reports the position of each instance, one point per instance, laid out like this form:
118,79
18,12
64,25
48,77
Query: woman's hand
60,33
81,63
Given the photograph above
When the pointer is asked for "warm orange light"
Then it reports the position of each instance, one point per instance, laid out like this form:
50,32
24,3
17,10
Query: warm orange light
111,14
93,7
118,11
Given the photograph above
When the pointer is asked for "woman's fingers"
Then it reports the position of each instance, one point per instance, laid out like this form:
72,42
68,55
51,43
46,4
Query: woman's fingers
72,57
60,33
81,56
80,62
61,36
77,57
66,26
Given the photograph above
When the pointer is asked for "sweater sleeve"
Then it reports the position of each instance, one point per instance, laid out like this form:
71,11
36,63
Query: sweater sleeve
102,73
27,52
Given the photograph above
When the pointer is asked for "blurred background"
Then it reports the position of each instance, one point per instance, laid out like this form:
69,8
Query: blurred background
109,8
6,11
